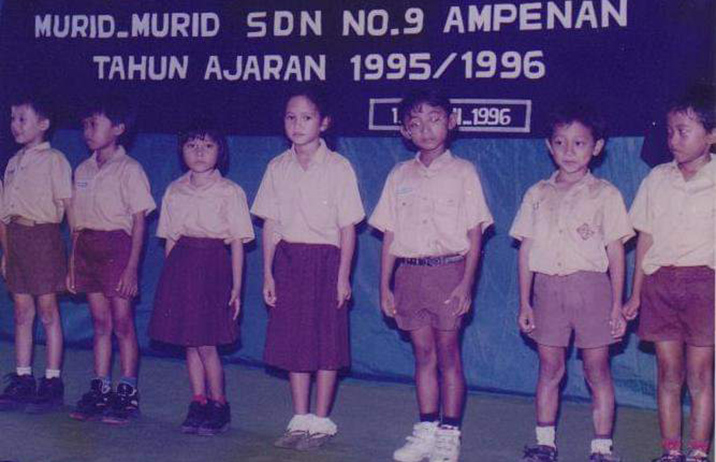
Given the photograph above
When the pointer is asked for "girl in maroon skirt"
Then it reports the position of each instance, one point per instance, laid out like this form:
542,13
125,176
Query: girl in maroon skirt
197,300
310,204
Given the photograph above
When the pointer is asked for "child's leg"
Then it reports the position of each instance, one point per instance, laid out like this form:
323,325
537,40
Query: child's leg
197,375
670,381
700,380
214,372
551,371
599,377
453,378
49,314
426,371
102,322
24,322
325,391
300,391
123,326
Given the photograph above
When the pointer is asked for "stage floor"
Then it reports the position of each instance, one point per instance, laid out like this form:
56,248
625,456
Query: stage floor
373,419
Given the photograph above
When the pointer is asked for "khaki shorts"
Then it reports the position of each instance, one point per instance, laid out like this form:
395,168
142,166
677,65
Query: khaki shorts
579,302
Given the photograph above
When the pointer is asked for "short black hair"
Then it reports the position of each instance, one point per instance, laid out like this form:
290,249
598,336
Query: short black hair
413,100
577,111
201,131
119,110
40,102
315,94
701,100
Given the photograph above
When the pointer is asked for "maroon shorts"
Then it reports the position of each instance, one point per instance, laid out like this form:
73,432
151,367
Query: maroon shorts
677,303
100,258
421,292
579,302
36,260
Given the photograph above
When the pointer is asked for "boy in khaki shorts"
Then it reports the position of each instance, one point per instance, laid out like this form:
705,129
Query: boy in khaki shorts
38,188
432,213
674,212
572,227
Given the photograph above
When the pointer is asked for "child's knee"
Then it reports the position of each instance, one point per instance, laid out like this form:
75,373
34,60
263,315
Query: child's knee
425,355
551,372
24,316
123,327
671,378
700,381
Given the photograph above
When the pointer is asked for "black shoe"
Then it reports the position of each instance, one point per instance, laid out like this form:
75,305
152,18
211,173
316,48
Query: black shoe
50,396
94,403
675,456
19,392
539,453
218,419
124,406
598,457
195,417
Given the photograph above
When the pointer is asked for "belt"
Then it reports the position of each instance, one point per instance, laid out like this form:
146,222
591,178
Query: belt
431,261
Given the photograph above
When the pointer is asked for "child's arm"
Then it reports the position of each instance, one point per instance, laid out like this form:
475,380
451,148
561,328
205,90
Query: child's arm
3,242
268,244
643,244
348,245
237,267
127,285
526,318
615,255
462,293
387,263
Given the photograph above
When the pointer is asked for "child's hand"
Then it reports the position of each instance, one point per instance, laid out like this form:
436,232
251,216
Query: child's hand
344,292
3,266
127,285
462,297
631,308
617,323
269,291
526,319
70,282
235,302
387,303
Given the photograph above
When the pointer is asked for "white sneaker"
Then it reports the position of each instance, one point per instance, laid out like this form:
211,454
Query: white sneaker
296,431
447,445
320,430
420,444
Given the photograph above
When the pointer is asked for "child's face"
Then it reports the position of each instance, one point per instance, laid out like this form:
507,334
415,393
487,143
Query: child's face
687,137
428,127
302,121
99,132
572,146
200,154
27,127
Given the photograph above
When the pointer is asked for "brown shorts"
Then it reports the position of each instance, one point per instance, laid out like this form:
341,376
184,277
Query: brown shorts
579,302
420,294
36,260
677,303
100,258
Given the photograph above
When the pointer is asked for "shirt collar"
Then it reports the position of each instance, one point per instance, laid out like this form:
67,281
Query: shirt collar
709,170
213,178
45,145
318,157
587,179
118,155
442,160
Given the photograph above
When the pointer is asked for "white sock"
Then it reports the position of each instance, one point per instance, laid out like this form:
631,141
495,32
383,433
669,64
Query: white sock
602,446
23,370
52,373
545,436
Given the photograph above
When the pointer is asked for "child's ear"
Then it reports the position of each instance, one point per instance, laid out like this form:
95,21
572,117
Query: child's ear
325,123
598,146
44,124
452,121
118,129
711,137
405,132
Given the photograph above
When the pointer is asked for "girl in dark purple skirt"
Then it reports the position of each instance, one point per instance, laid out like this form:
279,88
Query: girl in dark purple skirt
197,299
310,204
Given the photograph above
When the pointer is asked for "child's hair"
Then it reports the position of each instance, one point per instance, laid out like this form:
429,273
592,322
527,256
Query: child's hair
413,100
316,95
700,99
200,131
118,110
581,112
40,103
